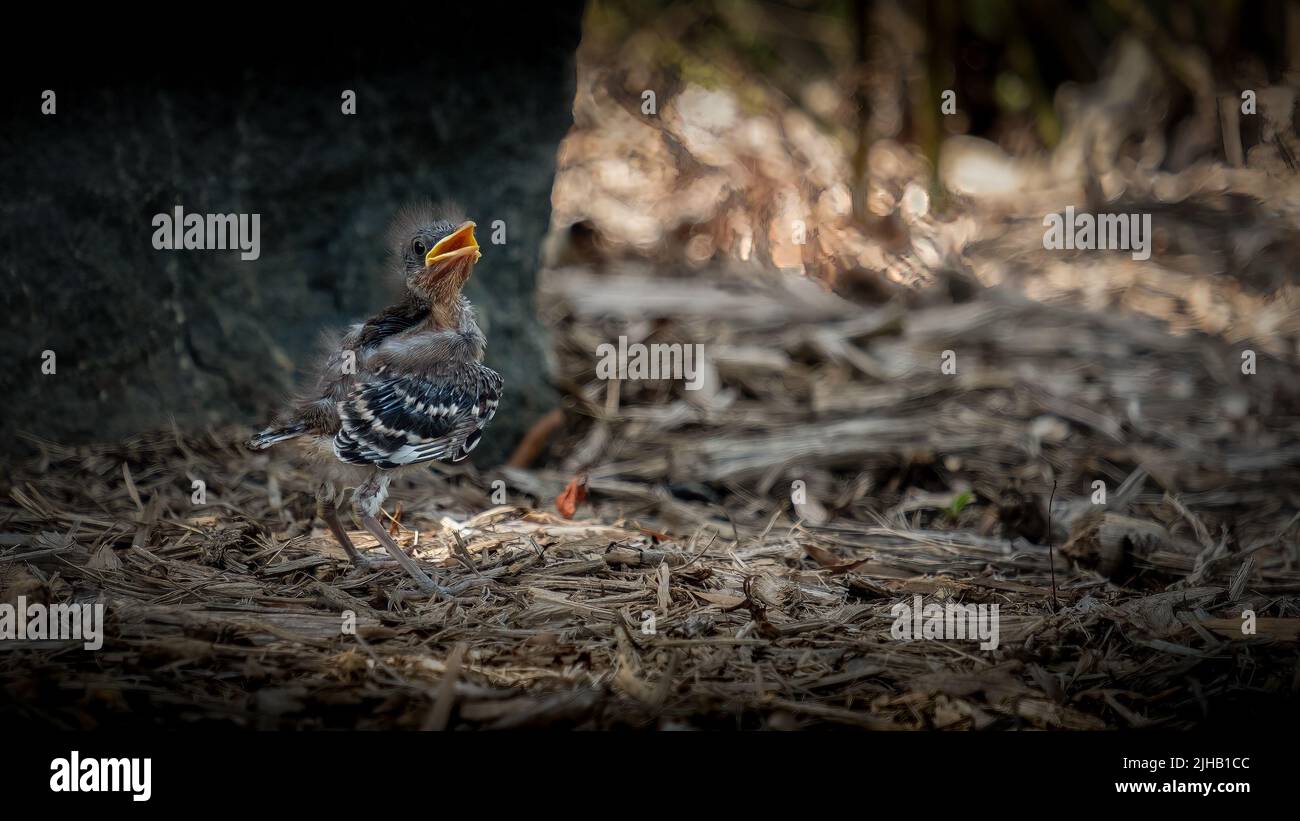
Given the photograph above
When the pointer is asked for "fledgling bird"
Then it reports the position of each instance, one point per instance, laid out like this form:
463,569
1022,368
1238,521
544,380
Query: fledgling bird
405,387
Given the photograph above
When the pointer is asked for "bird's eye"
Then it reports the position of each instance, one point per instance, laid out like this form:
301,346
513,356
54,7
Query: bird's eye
418,247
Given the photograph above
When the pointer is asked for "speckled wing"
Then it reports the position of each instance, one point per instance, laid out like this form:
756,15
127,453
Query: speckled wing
404,420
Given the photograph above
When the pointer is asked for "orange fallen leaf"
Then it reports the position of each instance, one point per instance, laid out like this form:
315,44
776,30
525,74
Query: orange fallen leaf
575,493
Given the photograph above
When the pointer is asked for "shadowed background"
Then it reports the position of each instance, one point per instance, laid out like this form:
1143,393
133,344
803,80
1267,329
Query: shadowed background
458,104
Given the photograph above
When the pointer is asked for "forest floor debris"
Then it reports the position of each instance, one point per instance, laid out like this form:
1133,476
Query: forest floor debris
692,588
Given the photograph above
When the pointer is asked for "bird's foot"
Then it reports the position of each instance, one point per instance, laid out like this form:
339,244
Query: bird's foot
432,588
426,584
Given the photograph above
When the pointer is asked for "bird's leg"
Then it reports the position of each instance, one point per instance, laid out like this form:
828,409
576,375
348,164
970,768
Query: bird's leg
368,498
328,513
408,564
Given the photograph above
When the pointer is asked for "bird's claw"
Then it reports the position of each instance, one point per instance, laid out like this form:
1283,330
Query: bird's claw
432,588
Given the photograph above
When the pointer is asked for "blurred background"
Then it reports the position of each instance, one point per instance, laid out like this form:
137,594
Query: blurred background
769,113
716,142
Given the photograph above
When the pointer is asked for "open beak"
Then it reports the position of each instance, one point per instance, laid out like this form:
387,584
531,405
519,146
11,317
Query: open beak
456,245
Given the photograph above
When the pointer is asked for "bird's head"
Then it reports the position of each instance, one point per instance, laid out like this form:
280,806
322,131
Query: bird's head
436,253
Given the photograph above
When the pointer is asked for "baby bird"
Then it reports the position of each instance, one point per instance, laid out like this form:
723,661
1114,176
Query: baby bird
405,387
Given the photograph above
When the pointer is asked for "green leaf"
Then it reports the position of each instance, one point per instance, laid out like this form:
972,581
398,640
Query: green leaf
958,504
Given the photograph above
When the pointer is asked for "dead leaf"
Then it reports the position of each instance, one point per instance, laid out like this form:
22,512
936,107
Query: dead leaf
104,559
720,599
830,561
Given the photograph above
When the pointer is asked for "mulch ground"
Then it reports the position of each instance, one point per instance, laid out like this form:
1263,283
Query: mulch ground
740,549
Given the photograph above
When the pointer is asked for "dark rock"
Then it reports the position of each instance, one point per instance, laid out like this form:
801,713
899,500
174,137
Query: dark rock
463,105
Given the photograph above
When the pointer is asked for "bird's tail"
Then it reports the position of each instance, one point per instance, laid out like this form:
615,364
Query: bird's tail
276,433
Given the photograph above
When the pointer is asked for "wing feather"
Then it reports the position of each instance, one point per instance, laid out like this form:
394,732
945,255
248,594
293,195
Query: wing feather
397,420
